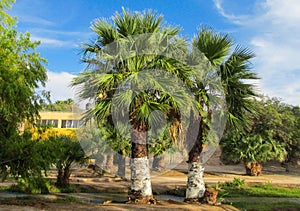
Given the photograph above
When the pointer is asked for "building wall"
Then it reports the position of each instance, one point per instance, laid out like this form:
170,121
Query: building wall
61,119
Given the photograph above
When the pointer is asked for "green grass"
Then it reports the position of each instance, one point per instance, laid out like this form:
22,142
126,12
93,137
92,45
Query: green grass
244,205
240,193
238,188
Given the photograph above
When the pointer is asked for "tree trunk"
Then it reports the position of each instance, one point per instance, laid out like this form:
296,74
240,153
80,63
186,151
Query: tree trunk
121,172
59,179
141,191
195,185
254,168
66,177
100,160
159,163
63,178
109,162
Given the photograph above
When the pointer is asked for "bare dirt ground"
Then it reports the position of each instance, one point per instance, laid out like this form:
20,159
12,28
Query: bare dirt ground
112,191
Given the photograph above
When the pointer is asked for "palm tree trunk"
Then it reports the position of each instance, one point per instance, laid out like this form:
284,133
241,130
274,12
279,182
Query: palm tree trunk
66,177
59,180
159,163
253,168
121,172
109,162
195,185
141,191
100,160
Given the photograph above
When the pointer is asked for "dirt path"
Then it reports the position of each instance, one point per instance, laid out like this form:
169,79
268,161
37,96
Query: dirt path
108,186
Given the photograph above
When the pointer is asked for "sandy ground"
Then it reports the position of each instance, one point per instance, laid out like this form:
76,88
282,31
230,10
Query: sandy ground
161,182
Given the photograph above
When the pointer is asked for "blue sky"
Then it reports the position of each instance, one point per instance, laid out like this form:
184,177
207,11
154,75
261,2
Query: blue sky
268,27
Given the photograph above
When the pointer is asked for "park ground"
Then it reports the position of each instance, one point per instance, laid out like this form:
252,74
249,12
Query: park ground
110,193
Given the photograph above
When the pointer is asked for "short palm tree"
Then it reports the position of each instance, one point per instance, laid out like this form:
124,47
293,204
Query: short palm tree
233,68
129,76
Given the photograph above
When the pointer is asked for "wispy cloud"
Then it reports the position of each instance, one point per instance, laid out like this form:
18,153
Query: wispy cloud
59,38
36,20
273,35
48,42
237,19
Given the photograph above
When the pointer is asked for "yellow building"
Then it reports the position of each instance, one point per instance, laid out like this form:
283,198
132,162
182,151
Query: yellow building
60,119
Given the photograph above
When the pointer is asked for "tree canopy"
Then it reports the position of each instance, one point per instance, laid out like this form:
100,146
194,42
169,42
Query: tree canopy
22,71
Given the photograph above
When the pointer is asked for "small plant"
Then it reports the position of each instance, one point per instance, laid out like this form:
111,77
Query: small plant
35,185
236,183
268,185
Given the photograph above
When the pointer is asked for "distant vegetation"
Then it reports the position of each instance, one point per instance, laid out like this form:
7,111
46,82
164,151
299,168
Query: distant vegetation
61,105
273,134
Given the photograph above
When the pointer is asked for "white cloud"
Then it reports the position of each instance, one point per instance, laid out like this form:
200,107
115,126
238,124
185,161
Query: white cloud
59,85
273,34
49,42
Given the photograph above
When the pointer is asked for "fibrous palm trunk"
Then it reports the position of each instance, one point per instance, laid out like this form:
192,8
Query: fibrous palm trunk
121,164
63,177
195,184
253,168
109,162
159,163
141,191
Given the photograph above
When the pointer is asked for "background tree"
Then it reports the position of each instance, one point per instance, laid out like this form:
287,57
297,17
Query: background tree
21,72
100,140
66,151
264,140
61,105
293,146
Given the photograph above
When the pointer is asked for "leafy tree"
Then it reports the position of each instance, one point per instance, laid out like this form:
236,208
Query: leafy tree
100,140
61,105
264,140
21,72
25,157
66,151
293,146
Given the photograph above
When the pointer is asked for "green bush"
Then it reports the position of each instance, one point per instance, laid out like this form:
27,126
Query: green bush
236,183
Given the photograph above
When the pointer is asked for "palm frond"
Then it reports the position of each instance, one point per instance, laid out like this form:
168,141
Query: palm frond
215,46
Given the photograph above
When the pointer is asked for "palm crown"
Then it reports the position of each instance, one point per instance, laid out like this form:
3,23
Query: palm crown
234,69
135,63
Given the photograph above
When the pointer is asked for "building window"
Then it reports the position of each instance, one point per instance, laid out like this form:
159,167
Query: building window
49,122
69,123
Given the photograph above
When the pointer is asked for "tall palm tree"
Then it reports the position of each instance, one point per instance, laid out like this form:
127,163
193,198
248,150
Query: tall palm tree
234,71
128,77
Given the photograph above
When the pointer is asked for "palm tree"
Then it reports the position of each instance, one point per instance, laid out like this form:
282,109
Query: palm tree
233,68
129,76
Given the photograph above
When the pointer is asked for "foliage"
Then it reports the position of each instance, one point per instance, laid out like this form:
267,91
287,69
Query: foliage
292,126
45,132
24,157
265,140
61,105
98,140
236,183
36,185
21,72
234,68
66,151
101,80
